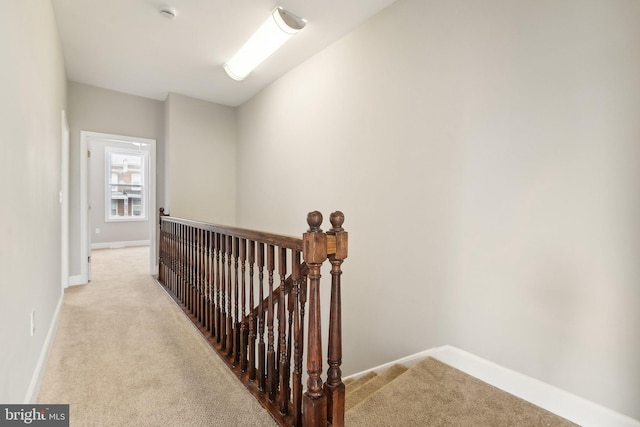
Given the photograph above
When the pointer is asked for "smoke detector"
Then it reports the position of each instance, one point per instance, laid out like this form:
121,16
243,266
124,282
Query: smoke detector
168,12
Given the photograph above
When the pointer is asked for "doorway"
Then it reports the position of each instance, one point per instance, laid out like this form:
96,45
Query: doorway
128,193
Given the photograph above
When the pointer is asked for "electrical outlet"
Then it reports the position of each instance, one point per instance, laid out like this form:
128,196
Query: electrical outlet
33,322
97,231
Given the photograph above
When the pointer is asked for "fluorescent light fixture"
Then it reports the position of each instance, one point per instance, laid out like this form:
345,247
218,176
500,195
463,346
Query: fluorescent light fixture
272,34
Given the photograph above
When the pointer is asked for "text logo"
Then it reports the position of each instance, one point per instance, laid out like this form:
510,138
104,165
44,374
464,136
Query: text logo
34,415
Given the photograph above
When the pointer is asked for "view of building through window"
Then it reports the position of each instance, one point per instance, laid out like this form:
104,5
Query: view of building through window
125,186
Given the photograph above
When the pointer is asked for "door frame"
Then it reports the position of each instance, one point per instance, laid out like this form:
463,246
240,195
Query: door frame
64,202
85,236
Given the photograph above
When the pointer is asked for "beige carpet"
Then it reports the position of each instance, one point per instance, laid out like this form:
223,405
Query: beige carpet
125,355
434,394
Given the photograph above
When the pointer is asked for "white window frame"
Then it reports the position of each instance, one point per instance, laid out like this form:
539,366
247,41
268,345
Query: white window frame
107,187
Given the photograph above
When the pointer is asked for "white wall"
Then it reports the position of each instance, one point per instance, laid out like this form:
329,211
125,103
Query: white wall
32,83
201,160
485,157
100,110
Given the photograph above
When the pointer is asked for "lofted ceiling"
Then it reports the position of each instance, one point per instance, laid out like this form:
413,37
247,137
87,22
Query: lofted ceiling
128,46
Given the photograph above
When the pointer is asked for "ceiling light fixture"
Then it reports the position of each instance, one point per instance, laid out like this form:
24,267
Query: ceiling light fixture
272,34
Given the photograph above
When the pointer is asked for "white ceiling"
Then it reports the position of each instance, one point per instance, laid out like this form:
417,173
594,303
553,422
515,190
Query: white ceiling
127,46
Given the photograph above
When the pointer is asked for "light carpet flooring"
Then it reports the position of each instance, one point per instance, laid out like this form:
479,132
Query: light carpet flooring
435,394
125,355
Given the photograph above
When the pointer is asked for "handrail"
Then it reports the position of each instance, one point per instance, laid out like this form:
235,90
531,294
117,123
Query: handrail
236,287
288,242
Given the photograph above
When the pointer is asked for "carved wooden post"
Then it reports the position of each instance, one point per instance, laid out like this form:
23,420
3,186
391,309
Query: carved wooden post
161,249
283,368
271,353
252,320
244,331
314,253
297,341
334,388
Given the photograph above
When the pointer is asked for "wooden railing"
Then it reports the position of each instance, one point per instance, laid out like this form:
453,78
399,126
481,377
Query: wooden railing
257,325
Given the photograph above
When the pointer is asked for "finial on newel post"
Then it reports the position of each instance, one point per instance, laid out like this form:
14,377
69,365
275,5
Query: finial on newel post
334,387
314,253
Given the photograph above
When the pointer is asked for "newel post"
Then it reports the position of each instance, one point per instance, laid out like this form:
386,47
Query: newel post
162,247
334,388
314,401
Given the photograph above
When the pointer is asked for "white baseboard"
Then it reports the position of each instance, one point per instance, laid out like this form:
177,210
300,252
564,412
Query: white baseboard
560,402
118,245
34,386
76,280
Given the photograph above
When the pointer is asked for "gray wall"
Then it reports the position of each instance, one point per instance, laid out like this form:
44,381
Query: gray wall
112,231
100,110
485,156
33,86
201,159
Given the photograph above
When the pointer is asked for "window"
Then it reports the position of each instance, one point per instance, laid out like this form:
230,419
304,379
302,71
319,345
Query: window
125,188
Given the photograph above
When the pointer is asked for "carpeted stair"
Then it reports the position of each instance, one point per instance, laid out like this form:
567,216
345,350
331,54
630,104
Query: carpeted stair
432,393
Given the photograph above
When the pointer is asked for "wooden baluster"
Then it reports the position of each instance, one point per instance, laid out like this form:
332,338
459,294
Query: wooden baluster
193,281
169,253
203,280
283,373
212,240
185,266
334,388
178,272
176,259
180,269
164,249
271,354
205,275
189,270
291,301
252,324
243,320
236,305
200,301
192,271
208,282
223,301
190,281
161,251
217,322
315,252
181,262
193,237
196,273
170,267
230,294
261,348
297,339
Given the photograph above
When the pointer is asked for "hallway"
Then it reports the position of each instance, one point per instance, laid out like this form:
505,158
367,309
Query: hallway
125,355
